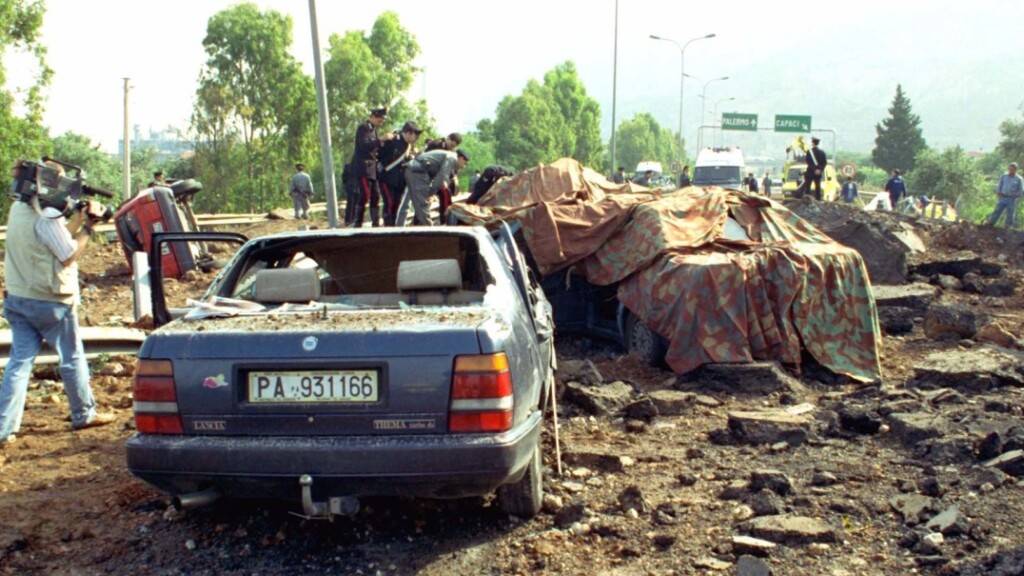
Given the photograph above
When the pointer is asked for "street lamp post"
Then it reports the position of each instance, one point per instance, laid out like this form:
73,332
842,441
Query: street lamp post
714,115
682,74
704,102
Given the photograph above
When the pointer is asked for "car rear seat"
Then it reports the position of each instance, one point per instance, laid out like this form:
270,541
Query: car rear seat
279,285
434,282
420,282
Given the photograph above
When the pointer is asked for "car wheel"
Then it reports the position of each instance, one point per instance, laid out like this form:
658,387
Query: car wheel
523,499
644,342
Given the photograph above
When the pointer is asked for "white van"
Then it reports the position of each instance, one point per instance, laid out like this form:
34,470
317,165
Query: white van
720,167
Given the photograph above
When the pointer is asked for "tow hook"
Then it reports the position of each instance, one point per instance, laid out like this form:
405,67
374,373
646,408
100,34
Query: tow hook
335,506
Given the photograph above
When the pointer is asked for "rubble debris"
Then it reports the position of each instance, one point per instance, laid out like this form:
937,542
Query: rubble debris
913,427
754,546
752,378
912,507
946,282
765,503
995,333
672,402
858,419
632,498
788,529
822,478
641,409
973,370
711,563
774,480
949,522
582,371
600,400
769,426
1011,462
1002,563
959,265
917,296
896,320
950,322
749,566
595,460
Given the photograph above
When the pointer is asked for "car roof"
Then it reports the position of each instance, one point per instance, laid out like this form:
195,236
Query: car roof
477,232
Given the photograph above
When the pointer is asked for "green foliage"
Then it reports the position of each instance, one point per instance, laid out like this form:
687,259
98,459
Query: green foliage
255,110
1011,145
899,139
22,135
528,128
547,121
950,175
481,154
364,72
102,169
642,138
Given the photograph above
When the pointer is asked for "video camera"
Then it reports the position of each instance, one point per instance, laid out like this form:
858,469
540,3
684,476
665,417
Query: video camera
58,185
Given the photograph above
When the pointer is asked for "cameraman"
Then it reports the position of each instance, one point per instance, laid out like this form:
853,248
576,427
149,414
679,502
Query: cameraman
41,280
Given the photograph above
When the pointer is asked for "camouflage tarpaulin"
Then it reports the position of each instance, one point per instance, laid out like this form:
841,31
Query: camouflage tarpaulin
724,276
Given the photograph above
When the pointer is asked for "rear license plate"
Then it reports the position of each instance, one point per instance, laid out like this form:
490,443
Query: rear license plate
354,386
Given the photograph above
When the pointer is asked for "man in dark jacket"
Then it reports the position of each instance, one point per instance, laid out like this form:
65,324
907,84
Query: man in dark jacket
364,166
849,191
816,162
896,188
766,184
684,177
394,155
483,184
620,176
752,183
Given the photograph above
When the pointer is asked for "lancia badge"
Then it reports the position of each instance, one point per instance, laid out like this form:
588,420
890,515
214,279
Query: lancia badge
309,343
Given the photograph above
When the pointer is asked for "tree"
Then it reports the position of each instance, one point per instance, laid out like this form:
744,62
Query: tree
642,138
367,71
580,113
951,175
481,154
252,93
899,138
529,128
1011,146
22,134
547,121
102,169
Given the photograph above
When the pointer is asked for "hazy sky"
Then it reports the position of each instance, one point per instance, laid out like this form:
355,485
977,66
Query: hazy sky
475,52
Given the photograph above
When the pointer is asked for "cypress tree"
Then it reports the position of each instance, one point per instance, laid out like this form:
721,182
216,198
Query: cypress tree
899,138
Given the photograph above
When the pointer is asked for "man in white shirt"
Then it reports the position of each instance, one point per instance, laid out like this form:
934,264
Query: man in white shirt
40,301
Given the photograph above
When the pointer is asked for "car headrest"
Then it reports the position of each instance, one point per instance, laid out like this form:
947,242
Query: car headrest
419,275
276,285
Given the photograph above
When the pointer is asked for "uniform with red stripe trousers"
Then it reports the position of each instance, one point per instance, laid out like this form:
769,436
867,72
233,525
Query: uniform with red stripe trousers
364,167
394,155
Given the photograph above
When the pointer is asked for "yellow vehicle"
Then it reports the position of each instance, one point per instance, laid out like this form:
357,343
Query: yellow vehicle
796,165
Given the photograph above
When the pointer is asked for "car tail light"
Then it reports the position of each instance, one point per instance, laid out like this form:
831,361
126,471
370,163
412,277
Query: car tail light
154,399
481,394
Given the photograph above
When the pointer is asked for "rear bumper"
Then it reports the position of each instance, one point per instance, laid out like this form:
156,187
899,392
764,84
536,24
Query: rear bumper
269,466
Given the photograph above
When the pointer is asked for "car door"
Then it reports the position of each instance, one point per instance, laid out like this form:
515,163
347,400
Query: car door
162,314
536,305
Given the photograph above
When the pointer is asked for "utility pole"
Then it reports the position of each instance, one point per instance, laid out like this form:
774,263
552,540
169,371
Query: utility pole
325,127
615,80
126,160
682,78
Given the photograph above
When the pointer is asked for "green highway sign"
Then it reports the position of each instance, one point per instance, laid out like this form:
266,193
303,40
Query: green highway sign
737,121
791,123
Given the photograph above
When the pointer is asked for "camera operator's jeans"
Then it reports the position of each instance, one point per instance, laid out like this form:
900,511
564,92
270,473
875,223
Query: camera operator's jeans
33,321
1004,204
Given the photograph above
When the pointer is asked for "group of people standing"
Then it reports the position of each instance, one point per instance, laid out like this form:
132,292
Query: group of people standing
387,168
